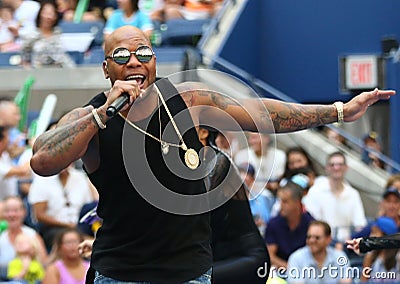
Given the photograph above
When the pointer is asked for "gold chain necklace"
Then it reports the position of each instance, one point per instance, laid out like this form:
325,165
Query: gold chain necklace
191,157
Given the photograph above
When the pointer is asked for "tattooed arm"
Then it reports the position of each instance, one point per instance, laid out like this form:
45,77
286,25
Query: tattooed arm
269,115
55,149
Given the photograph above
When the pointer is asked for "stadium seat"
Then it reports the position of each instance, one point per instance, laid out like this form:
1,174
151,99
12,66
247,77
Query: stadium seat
77,56
170,54
182,32
94,56
94,28
10,59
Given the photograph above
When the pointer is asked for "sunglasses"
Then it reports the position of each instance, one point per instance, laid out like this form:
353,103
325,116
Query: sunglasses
336,165
317,238
122,55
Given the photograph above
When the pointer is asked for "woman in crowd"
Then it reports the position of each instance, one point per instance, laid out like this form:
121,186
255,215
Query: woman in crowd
128,13
43,47
68,267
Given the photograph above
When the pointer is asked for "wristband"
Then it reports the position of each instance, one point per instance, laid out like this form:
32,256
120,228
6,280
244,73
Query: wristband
96,116
339,109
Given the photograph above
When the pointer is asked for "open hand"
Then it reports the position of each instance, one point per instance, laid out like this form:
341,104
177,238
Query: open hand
355,108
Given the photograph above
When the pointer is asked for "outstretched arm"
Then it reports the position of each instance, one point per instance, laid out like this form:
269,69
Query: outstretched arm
269,115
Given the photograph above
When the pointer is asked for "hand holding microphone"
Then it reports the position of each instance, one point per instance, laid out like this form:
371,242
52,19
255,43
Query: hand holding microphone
117,105
126,88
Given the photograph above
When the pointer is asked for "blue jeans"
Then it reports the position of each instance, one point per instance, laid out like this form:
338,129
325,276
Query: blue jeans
203,279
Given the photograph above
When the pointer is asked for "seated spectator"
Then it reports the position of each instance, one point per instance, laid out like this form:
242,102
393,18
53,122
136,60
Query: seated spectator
128,13
334,136
43,47
7,23
68,266
25,265
336,202
10,117
66,10
200,9
25,12
57,201
382,261
187,9
394,181
268,161
9,173
371,142
171,9
296,158
317,257
389,207
150,6
260,205
301,179
297,162
14,213
287,232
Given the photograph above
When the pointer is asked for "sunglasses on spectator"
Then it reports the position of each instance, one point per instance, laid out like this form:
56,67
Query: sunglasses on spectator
122,55
336,164
317,238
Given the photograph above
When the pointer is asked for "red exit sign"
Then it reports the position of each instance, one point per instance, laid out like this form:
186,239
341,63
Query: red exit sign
361,71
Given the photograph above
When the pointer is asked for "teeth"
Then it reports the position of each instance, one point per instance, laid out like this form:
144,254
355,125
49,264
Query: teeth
134,77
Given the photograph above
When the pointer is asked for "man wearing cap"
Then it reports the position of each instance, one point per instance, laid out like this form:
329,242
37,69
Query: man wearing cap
383,261
372,142
390,207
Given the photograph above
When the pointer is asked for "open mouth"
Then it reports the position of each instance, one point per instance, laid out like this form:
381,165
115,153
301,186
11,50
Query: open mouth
138,78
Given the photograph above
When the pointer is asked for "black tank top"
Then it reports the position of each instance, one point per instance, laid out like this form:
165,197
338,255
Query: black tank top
137,241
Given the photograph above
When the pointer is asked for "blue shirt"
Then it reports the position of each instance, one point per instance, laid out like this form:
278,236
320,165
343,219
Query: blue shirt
260,207
118,19
303,268
288,241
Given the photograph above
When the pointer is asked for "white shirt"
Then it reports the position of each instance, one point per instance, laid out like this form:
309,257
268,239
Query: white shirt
268,167
8,186
5,34
341,212
26,14
49,189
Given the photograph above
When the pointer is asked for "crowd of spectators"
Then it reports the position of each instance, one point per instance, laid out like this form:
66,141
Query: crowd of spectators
313,212
41,237
36,29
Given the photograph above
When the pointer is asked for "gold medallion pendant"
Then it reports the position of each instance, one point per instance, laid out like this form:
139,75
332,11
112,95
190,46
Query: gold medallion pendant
192,159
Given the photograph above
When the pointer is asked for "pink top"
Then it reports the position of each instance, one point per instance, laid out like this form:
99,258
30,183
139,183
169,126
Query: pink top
66,277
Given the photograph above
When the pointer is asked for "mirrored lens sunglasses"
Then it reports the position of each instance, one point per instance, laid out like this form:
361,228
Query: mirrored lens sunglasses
122,55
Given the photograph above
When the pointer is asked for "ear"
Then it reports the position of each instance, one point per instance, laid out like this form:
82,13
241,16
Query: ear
105,69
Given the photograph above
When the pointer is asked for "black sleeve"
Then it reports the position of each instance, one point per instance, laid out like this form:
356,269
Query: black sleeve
385,242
